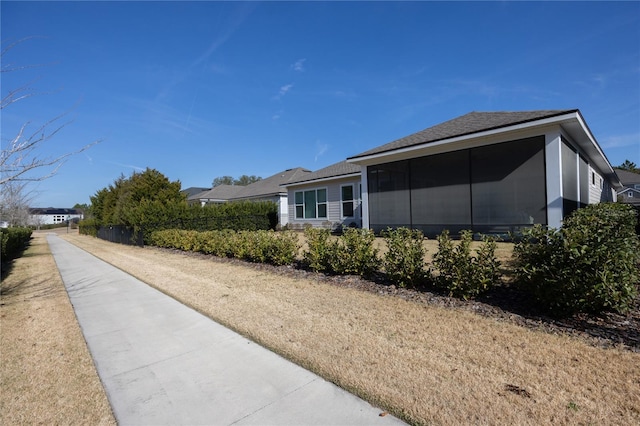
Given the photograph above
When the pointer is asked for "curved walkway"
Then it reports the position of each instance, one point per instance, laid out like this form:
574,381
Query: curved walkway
164,363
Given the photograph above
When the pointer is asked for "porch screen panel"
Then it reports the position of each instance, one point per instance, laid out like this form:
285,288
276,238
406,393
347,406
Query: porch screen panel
569,179
508,184
389,199
583,174
440,193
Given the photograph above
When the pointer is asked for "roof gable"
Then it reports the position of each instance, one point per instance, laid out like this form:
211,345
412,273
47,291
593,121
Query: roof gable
220,192
271,186
337,170
628,178
473,122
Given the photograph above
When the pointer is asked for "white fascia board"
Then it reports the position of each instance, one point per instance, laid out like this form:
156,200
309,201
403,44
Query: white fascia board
600,159
322,180
417,150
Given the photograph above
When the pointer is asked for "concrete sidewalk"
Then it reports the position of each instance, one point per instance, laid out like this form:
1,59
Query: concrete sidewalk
163,363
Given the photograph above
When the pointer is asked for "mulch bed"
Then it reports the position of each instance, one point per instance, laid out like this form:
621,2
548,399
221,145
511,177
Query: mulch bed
503,303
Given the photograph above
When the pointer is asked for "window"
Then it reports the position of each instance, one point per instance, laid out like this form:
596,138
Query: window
593,178
346,193
311,204
630,194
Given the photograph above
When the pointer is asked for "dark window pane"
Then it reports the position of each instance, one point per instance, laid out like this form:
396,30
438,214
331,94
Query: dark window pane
322,210
347,193
299,212
322,195
310,204
347,209
299,198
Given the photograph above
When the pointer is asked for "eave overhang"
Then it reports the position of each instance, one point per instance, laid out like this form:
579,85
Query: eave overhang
572,123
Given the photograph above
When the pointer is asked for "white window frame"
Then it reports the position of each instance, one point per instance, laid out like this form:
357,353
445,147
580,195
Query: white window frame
318,204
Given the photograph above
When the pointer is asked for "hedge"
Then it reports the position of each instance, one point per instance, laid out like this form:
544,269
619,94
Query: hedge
589,265
14,241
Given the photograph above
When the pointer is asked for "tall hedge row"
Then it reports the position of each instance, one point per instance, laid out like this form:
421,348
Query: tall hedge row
14,241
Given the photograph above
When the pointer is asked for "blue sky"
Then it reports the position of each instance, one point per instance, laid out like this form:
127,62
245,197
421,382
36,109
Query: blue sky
199,90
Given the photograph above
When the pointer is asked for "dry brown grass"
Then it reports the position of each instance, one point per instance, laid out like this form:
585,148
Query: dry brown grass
426,364
46,373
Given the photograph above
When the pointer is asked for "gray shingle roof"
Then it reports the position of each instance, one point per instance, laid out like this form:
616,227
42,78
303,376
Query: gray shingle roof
271,186
467,124
628,178
334,170
193,190
220,192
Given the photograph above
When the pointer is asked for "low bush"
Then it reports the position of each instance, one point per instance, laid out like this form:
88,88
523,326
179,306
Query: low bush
320,249
13,242
254,246
461,273
404,260
88,227
353,253
589,265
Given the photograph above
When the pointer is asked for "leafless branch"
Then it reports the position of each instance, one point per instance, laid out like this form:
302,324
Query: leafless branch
19,159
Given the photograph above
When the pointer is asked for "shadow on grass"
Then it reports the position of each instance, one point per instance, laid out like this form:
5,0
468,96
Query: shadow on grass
7,264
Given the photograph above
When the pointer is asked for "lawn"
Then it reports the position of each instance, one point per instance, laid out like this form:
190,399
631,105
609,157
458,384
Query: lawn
425,363
46,373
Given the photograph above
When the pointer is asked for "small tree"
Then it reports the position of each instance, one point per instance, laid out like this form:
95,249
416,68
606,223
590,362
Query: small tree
629,166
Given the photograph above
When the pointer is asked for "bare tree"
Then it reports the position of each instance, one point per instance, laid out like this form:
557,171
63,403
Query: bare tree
19,159
14,203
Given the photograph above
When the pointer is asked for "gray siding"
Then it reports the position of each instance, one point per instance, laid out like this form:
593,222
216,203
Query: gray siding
334,204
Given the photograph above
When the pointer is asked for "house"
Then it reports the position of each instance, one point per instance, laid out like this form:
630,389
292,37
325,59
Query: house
631,192
193,190
217,194
268,189
327,198
491,172
53,216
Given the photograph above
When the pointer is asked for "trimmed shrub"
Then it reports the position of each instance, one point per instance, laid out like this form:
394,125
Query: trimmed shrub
404,260
589,265
254,246
462,274
353,253
88,227
320,249
13,242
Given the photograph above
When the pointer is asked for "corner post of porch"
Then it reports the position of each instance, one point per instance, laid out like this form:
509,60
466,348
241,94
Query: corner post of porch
365,197
553,160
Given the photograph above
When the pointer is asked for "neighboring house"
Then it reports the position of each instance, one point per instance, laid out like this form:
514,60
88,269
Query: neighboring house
631,192
327,198
268,189
193,190
216,195
53,216
491,172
